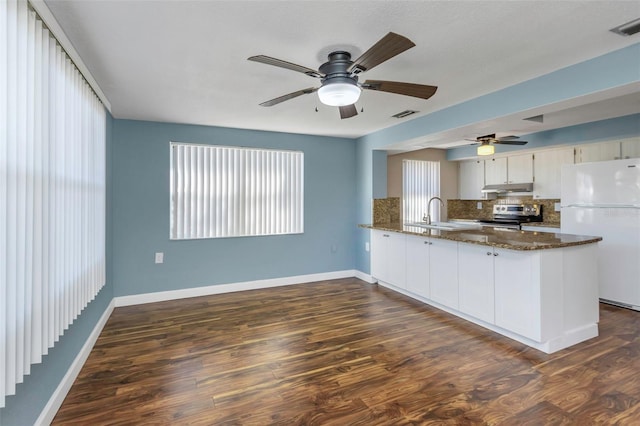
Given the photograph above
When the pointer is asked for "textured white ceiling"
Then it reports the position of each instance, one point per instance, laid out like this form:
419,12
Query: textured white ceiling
186,61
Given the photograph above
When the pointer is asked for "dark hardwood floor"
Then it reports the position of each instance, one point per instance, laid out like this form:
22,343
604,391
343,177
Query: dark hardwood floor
344,352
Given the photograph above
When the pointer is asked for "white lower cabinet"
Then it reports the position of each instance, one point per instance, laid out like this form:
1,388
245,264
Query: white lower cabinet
517,292
547,299
417,278
476,281
443,272
388,254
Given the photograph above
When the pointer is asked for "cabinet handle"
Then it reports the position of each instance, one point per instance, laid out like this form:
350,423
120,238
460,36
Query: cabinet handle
430,243
427,242
488,253
495,254
385,235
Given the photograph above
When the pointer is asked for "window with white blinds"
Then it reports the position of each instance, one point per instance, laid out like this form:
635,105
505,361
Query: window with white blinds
221,191
420,182
52,193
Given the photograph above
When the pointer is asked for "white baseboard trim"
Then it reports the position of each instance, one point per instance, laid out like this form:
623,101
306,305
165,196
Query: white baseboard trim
365,277
161,296
57,398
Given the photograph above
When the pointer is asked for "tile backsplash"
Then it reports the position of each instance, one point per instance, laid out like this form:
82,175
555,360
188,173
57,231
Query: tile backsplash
386,210
468,209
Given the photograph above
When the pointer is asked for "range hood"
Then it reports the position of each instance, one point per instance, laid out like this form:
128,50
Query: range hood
508,187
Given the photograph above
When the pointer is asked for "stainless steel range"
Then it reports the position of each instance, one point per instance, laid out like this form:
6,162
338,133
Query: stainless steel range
513,215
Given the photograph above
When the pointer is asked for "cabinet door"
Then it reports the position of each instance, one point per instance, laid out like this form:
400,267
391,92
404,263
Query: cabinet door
388,257
598,152
495,171
475,278
396,259
517,293
443,272
547,166
418,265
379,255
520,168
471,179
630,148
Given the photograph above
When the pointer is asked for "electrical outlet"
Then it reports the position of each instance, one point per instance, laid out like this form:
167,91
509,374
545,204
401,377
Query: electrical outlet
159,257
556,207
366,246
479,205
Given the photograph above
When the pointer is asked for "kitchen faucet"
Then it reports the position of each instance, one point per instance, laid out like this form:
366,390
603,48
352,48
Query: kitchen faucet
427,217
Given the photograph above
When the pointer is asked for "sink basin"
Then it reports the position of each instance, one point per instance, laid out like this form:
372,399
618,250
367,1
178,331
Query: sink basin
446,226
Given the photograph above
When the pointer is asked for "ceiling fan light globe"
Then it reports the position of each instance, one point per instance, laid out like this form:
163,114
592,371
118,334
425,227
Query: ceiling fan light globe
339,94
486,150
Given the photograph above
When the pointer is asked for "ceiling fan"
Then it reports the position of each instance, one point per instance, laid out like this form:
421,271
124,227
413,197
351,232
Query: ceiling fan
339,76
486,143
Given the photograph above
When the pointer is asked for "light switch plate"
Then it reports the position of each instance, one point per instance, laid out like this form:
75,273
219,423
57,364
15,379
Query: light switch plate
479,205
159,257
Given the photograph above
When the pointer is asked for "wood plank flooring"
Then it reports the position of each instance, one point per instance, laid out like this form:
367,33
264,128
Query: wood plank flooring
344,352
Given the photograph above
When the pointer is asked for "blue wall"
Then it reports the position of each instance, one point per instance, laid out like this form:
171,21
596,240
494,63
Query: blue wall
31,397
141,212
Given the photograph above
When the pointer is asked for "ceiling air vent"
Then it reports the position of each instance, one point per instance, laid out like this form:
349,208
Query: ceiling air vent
627,29
535,118
404,113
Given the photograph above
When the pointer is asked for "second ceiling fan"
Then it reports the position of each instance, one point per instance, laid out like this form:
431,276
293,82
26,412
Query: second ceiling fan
486,142
339,76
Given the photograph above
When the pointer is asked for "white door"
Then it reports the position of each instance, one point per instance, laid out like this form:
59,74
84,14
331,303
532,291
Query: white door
603,151
471,179
546,167
417,278
520,168
630,148
618,252
443,272
602,183
379,255
495,171
475,278
517,300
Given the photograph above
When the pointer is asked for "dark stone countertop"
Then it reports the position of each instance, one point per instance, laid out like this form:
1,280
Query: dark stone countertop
495,237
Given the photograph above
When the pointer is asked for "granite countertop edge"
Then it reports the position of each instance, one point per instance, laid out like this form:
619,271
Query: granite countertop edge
511,240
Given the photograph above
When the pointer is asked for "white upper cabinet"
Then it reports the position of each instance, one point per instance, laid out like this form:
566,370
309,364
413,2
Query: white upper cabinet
520,168
495,171
546,166
471,179
630,148
512,169
604,151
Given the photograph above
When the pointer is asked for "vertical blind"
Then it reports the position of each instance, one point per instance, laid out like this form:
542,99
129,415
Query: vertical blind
52,193
220,191
420,182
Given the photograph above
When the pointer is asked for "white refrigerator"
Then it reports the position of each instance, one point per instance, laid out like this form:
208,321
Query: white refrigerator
603,199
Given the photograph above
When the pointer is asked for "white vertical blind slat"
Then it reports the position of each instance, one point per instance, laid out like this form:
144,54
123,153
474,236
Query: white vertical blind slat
228,191
52,192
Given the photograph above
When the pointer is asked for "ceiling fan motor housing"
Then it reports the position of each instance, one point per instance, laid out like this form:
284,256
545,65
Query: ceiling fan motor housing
336,69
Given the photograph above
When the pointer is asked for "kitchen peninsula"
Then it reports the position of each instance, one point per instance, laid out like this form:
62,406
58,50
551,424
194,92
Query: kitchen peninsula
537,288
